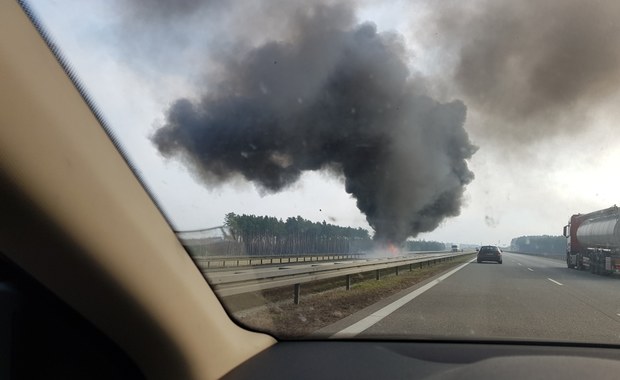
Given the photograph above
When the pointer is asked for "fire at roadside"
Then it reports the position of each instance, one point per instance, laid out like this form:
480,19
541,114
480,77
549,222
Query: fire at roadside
335,96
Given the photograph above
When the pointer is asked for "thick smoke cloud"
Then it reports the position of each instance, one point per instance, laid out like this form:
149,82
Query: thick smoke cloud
332,96
537,66
151,11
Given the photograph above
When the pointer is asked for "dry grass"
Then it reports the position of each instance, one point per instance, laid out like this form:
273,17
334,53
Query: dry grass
324,302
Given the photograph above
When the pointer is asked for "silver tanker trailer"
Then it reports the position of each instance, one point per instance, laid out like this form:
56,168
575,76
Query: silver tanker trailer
593,241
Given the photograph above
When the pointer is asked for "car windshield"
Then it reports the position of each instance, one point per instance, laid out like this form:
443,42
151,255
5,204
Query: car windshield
333,167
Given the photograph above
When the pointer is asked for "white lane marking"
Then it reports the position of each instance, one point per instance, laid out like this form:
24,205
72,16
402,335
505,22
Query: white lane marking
530,269
618,314
554,281
378,315
519,263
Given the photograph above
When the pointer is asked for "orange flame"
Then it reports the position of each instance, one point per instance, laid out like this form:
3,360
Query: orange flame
392,249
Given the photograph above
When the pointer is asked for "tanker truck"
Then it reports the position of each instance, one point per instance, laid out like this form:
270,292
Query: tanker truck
593,241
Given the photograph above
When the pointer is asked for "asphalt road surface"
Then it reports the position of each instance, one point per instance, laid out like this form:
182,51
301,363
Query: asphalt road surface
526,297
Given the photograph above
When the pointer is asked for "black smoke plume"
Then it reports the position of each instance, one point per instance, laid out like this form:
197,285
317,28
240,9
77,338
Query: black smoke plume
332,96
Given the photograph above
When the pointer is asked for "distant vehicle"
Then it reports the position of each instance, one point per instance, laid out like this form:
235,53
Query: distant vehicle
455,248
489,253
593,241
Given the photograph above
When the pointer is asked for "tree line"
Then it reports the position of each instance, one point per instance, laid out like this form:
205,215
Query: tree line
267,235
539,244
423,245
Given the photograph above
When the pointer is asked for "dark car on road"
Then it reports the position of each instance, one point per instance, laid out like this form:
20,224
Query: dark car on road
489,253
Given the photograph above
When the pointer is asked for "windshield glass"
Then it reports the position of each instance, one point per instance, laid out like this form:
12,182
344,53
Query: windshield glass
360,169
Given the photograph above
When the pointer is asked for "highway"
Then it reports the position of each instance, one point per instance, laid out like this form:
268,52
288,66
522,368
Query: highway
233,281
527,297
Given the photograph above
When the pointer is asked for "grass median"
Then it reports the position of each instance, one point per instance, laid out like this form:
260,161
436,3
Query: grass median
325,302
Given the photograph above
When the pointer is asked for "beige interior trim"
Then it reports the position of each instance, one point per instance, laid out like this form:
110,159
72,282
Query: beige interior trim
55,153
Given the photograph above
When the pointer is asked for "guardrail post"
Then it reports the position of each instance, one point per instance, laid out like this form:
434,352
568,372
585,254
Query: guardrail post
377,274
397,271
410,267
297,294
348,282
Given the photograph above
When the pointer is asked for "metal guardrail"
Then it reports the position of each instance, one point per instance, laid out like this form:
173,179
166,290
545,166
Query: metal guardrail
238,261
215,262
227,283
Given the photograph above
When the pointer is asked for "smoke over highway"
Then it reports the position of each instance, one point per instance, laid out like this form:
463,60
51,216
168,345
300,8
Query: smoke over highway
336,96
537,67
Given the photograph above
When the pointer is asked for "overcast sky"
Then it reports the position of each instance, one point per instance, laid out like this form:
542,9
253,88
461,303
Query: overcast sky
544,152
